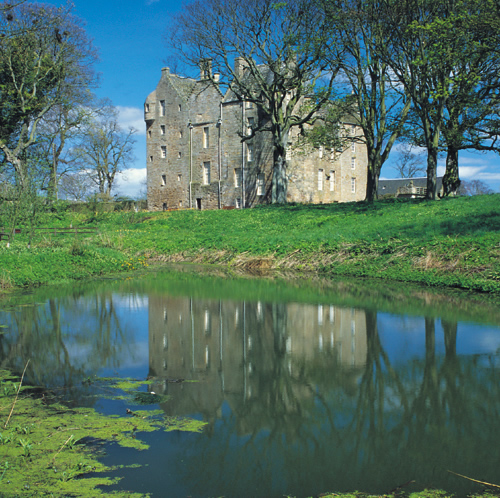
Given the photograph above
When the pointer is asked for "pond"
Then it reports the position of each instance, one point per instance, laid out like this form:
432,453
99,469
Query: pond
307,385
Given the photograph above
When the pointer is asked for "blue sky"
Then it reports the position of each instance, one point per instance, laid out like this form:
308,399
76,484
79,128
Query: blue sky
129,35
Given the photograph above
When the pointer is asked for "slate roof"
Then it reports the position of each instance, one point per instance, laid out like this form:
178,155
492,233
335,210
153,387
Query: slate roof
183,86
391,186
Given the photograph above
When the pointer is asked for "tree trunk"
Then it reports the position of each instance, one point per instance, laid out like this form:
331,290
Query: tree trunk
280,180
431,173
19,167
373,173
451,181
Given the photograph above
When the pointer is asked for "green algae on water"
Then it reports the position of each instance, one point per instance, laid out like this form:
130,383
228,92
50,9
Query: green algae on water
49,449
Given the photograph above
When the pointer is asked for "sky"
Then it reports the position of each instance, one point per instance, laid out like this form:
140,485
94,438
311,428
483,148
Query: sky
129,35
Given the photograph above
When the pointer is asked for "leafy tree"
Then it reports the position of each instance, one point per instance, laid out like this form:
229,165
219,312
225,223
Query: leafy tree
377,103
105,149
281,66
441,58
44,52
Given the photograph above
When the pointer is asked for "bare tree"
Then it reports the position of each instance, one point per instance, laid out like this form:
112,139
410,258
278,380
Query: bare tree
59,130
409,163
474,187
76,186
281,64
105,149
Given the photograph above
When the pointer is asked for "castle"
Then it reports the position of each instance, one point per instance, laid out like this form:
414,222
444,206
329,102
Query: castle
196,157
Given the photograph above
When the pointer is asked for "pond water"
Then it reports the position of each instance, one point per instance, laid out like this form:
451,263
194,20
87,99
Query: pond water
307,385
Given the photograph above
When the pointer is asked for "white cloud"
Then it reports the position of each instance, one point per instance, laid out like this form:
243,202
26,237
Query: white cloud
131,182
402,146
477,169
131,117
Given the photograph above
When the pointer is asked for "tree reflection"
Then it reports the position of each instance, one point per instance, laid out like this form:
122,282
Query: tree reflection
300,397
66,340
373,426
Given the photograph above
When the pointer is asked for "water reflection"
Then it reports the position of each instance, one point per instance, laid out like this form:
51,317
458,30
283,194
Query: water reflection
67,339
305,389
315,384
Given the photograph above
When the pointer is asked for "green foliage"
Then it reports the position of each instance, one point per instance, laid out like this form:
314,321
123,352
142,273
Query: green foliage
454,242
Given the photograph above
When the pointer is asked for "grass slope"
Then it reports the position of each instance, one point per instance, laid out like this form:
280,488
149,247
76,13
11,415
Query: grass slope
454,242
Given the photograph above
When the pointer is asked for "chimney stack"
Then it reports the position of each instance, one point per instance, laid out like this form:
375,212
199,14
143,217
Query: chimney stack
205,69
239,66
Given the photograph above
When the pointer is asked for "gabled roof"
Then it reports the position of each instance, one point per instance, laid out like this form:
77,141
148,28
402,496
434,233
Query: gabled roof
183,86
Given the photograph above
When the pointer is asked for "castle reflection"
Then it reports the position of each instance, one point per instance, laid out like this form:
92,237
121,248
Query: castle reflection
252,355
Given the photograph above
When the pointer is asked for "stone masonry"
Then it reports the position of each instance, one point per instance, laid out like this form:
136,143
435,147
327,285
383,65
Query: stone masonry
196,158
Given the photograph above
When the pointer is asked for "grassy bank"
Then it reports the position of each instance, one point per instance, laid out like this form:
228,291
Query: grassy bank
453,242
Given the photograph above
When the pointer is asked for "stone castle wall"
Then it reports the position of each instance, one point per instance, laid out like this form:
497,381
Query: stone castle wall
196,157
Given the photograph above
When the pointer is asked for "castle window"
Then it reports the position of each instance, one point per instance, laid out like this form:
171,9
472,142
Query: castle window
353,163
179,155
150,159
207,322
180,133
238,203
260,184
180,204
149,133
237,177
205,137
164,151
163,180
353,185
332,181
180,107
206,173
146,107
353,146
320,152
162,108
162,129
249,152
320,179
353,130
250,125
179,177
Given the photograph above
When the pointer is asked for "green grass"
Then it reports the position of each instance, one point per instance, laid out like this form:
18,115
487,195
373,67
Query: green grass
454,242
